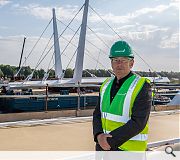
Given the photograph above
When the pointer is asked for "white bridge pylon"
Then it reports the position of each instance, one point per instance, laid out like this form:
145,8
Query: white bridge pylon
77,76
58,62
78,70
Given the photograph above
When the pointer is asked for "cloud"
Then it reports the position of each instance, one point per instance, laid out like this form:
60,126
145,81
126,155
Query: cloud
139,31
150,30
65,12
68,12
133,32
4,2
171,41
16,38
157,9
175,3
4,27
111,18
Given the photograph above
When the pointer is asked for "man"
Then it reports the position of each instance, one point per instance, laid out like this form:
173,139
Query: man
120,118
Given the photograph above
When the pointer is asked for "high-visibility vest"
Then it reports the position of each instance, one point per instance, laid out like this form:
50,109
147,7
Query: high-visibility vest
118,112
153,94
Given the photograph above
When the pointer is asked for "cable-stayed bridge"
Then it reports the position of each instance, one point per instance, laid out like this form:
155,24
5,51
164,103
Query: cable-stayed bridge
79,53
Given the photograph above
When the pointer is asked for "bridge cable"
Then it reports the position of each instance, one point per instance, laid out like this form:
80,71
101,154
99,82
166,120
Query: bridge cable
93,45
58,37
39,61
86,50
69,42
98,36
86,39
34,47
122,39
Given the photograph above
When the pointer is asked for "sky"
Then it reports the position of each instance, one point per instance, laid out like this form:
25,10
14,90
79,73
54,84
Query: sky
151,27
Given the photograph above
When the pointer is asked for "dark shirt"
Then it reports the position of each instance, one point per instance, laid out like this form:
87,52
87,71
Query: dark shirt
139,117
117,84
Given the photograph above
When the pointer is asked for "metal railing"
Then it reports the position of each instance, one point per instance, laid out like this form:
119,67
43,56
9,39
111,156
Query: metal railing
164,142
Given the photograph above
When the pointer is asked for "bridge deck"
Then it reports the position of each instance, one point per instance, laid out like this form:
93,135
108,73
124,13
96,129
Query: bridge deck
75,134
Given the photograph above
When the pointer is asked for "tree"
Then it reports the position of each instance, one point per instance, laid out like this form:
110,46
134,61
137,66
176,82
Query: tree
68,73
41,73
8,71
26,71
51,73
1,73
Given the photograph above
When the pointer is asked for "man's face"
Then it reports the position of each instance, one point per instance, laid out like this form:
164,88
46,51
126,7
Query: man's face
121,65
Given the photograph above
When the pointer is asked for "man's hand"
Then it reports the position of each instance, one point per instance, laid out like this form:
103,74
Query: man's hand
102,140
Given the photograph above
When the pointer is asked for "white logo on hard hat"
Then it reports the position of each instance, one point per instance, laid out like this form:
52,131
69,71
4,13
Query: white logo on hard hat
121,50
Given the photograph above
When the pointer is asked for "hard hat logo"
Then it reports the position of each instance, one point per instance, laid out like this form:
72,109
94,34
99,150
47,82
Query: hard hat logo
121,49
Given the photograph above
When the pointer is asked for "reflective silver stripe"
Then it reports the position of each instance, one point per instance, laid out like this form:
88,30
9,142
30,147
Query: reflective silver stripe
114,117
127,101
139,137
126,107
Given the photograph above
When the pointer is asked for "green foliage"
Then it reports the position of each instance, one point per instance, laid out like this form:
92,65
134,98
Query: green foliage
1,73
41,73
26,71
51,74
68,73
8,71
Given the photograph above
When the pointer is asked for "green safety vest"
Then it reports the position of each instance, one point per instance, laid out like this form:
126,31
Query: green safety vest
117,113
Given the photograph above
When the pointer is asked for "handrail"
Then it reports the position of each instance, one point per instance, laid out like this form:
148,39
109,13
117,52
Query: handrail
164,142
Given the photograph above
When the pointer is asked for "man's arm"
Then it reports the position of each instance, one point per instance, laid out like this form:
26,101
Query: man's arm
99,136
138,121
97,125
